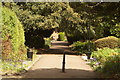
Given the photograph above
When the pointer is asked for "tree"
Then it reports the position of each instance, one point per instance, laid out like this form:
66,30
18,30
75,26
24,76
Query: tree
102,16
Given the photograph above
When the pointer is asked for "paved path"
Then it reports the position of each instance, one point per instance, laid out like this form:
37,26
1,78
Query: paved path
49,66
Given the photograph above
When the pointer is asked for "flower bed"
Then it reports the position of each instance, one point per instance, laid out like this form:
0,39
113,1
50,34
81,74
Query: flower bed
106,60
14,66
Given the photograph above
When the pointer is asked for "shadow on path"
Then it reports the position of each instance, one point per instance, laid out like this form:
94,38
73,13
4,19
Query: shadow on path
57,73
62,43
58,47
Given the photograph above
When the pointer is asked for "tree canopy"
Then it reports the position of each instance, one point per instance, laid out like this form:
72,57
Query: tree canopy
78,19
104,17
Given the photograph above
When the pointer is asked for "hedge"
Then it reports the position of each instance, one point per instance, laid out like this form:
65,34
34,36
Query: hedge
110,42
61,36
12,34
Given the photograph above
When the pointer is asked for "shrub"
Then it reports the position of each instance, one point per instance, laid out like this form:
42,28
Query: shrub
101,55
106,60
12,36
34,41
111,42
47,42
83,47
61,36
83,34
112,65
74,37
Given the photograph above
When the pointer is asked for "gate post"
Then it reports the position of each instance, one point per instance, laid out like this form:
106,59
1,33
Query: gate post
63,66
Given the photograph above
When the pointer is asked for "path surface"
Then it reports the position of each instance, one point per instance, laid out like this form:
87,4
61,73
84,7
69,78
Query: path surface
58,47
50,65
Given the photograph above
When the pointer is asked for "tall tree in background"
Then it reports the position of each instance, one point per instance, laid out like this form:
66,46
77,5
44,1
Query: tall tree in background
103,17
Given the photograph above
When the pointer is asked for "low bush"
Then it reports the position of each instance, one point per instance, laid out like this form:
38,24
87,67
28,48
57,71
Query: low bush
102,54
61,36
110,42
47,42
106,60
112,65
82,47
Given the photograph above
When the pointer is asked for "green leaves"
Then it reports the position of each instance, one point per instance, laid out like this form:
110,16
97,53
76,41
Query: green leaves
102,16
12,34
116,30
109,60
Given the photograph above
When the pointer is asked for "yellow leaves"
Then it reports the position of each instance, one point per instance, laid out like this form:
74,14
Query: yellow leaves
74,17
114,54
55,14
34,7
75,14
70,10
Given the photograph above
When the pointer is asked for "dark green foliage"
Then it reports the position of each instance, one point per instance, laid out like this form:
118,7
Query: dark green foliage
43,15
110,42
34,40
46,33
61,36
47,43
72,18
83,47
73,37
12,35
112,65
103,17
82,34
48,15
70,39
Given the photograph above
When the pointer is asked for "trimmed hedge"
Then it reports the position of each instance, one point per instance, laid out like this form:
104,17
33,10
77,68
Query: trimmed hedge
110,42
12,35
61,36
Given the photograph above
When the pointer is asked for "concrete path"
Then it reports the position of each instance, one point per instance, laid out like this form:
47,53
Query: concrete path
49,66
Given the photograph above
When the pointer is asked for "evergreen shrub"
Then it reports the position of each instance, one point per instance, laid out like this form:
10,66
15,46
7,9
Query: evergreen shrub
12,35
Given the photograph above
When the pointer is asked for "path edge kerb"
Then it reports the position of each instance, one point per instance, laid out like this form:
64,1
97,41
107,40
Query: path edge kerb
33,62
